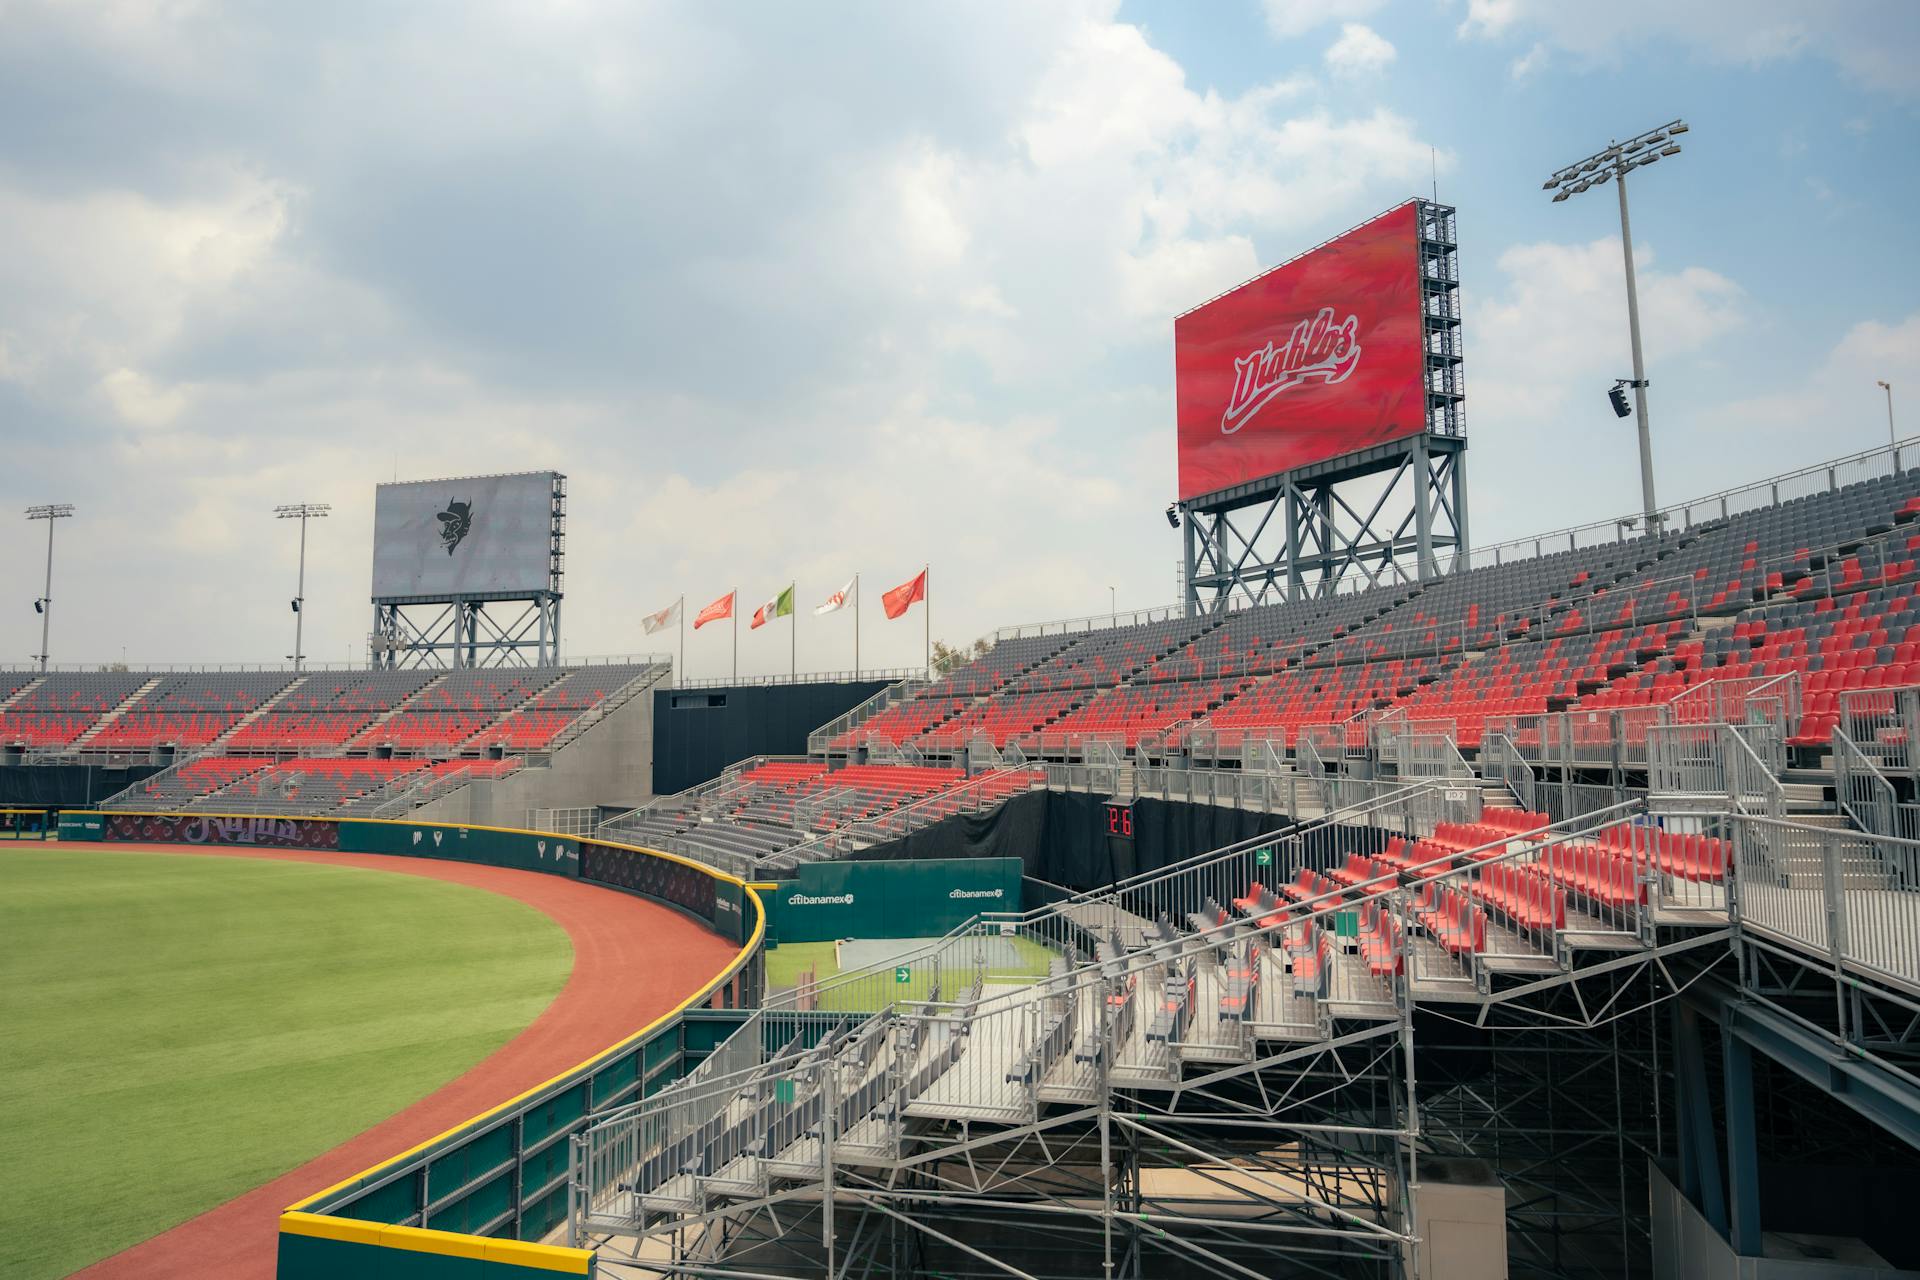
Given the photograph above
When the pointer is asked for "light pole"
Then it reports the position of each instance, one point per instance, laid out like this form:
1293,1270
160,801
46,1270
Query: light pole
1614,163
49,512
1892,439
303,512
1113,606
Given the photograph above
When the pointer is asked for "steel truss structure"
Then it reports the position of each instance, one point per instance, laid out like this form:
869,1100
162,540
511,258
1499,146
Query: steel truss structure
1037,1131
1392,513
458,630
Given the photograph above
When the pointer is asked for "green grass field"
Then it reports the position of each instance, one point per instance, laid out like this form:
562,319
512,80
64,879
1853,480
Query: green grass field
176,1029
787,962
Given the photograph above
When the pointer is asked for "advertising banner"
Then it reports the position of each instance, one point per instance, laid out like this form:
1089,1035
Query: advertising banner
690,889
897,899
482,535
258,832
1319,357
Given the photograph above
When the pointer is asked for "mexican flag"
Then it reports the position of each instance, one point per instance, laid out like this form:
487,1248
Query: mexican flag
781,606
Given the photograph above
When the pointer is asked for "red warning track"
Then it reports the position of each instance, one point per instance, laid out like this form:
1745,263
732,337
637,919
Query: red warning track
633,961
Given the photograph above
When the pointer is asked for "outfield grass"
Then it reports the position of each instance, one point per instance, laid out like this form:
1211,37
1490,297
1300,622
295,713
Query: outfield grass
178,1029
785,964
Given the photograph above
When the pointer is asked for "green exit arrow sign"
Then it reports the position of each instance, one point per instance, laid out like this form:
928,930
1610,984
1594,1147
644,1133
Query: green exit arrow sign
1263,857
902,973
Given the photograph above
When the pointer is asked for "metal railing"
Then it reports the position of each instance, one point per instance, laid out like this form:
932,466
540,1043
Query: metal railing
906,687
1865,794
1822,477
804,677
1881,724
975,795
1846,895
1502,762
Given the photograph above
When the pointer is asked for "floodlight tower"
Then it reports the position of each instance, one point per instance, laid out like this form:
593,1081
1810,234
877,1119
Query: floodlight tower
49,512
303,512
1614,163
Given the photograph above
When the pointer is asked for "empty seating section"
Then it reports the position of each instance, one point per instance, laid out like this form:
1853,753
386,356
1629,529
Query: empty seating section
311,785
330,718
198,778
83,691
904,720
1279,706
1012,715
189,710
493,689
999,665
589,686
416,730
44,728
1101,658
326,709
1531,678
1126,711
299,730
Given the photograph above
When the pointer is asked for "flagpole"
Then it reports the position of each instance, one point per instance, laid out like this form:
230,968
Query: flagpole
856,626
682,681
926,613
793,634
733,607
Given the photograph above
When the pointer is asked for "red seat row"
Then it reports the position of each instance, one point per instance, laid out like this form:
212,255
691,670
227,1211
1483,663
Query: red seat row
1528,900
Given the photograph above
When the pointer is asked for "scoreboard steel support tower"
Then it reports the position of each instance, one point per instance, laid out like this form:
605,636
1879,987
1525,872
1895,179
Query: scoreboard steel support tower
1322,440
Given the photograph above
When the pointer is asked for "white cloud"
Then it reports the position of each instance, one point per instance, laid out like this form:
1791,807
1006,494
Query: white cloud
1360,51
906,316
1287,18
1543,345
1839,398
1529,63
1873,41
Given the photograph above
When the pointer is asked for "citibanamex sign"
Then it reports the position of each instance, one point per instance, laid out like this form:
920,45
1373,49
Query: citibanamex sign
1317,350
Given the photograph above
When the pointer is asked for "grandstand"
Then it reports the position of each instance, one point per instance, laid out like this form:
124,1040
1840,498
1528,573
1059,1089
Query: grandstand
373,743
1802,596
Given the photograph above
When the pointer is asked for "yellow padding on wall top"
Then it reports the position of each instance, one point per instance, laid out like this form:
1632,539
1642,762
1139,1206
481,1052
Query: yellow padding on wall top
452,1244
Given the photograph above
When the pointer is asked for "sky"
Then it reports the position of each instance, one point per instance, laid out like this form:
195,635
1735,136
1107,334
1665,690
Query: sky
794,291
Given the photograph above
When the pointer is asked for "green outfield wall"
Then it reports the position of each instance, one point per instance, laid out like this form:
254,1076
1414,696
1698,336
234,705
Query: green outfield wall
471,1203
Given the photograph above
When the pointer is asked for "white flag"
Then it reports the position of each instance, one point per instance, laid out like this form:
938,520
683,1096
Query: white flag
662,620
838,600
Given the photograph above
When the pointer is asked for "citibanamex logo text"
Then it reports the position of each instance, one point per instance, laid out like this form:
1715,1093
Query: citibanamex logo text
820,900
977,893
1316,350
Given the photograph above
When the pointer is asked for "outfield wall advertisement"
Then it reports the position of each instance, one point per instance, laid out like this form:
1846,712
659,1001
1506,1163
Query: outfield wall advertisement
205,829
1322,356
477,536
898,899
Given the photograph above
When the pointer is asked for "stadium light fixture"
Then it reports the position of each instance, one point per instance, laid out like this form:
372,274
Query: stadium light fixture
50,512
1173,515
303,512
1614,162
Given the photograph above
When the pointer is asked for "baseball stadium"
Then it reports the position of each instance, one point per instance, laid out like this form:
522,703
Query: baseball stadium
1390,905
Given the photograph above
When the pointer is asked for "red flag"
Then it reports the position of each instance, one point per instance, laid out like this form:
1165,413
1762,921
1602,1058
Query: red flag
898,600
721,608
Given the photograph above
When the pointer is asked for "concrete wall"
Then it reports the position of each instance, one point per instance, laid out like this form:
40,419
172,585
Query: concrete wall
609,766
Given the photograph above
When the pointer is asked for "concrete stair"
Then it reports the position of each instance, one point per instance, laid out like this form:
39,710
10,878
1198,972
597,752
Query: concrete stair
7,703
219,745
132,699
